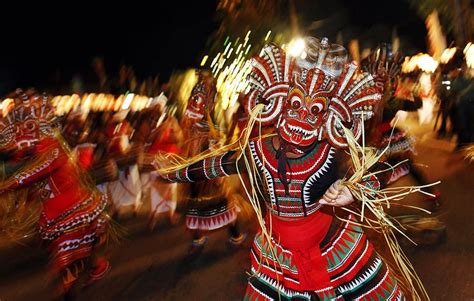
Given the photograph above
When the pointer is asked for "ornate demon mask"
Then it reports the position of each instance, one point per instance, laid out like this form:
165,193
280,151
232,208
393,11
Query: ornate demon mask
28,117
311,99
305,108
202,97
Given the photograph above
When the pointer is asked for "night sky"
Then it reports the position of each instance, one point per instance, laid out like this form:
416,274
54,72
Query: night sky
51,46
54,43
381,17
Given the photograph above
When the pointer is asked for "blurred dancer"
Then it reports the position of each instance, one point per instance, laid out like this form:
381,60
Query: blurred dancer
126,192
208,208
72,218
303,252
397,144
163,197
463,88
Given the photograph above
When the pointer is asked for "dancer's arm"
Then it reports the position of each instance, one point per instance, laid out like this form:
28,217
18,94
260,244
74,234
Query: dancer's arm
206,169
376,178
36,169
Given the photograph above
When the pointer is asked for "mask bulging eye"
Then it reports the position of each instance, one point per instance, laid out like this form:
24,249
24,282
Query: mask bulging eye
30,125
198,99
316,108
319,105
295,103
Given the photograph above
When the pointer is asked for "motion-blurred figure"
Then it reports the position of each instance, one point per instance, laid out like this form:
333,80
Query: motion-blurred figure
41,169
463,88
208,208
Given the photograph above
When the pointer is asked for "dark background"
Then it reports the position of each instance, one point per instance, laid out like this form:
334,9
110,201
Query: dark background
45,45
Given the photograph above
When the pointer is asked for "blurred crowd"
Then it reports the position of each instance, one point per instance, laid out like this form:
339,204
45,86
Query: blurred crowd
455,93
115,147
121,140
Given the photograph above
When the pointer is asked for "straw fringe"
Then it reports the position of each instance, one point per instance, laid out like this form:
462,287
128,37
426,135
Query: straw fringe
375,202
18,218
469,153
166,163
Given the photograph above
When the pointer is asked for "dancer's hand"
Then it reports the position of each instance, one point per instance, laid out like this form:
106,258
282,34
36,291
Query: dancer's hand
337,195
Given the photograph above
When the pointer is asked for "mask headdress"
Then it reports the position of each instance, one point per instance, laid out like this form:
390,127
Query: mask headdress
353,103
269,82
320,54
313,95
30,116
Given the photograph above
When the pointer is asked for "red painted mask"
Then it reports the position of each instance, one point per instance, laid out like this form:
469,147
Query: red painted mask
310,99
305,109
28,120
202,97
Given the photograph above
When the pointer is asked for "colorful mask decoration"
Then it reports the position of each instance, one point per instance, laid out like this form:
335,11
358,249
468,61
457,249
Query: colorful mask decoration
202,97
311,99
28,118
305,109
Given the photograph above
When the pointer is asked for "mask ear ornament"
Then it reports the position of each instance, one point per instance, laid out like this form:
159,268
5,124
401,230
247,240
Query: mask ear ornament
269,83
353,103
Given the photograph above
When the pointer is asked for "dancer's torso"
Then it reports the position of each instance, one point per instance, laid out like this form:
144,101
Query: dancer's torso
309,176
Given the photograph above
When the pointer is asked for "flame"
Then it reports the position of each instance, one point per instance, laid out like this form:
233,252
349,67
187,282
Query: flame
420,61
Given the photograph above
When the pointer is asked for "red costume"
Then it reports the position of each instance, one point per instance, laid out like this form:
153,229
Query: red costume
163,196
72,219
208,207
311,255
